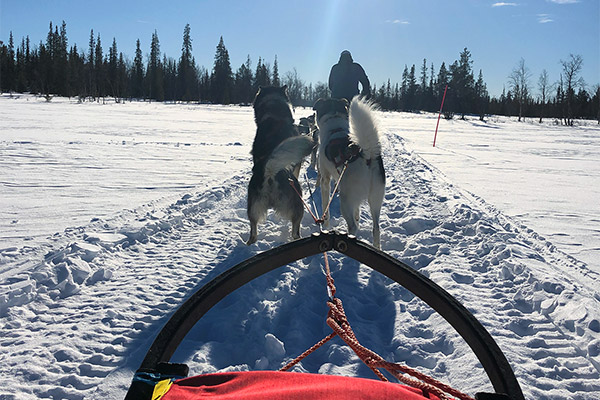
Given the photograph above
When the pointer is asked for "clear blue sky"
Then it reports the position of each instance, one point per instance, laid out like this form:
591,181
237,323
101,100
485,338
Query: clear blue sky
383,35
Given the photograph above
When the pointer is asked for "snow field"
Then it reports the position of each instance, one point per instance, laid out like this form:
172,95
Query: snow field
545,176
79,310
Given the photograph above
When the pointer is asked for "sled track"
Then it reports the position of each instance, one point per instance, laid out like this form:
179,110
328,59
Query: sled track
145,263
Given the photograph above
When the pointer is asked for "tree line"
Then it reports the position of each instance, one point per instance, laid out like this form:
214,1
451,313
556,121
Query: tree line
53,68
564,100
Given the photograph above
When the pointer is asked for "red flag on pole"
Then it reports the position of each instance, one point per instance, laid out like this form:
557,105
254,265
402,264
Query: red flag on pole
438,121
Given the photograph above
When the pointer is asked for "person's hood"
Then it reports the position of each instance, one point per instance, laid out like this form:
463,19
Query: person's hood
346,57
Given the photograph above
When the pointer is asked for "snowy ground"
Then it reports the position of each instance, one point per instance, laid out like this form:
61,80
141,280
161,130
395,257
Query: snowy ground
544,176
113,214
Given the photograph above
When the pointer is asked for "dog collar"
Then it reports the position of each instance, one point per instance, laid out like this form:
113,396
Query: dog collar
341,150
338,130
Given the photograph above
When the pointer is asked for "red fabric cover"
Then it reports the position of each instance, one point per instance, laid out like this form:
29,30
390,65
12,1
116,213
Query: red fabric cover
261,385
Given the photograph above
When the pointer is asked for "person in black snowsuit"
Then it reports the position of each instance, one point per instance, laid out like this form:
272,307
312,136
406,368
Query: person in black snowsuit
345,76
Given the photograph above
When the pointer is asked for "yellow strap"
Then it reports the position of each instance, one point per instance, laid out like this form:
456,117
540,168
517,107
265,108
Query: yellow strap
161,388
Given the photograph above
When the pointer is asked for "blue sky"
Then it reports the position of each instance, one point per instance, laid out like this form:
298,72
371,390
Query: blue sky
383,35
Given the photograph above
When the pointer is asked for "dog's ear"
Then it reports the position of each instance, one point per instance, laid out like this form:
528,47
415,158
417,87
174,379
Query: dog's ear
346,104
256,95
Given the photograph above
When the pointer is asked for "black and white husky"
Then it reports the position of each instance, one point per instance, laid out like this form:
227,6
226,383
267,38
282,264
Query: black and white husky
348,134
277,152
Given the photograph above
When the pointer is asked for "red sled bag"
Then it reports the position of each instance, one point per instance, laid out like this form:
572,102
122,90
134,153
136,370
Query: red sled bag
262,385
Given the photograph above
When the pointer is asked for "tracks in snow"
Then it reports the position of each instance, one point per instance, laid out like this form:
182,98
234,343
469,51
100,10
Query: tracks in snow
541,305
160,257
114,283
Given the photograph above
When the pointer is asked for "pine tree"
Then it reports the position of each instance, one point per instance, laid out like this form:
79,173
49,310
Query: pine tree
27,65
170,78
112,71
186,71
76,70
411,91
204,84
582,102
262,75
18,70
482,96
423,86
42,62
8,65
430,104
90,66
276,81
243,83
3,66
99,69
48,64
222,76
380,96
122,78
155,71
404,89
462,82
443,79
61,62
137,74
388,95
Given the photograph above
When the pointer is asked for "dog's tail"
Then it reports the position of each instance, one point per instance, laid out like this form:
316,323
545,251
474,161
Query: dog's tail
288,153
363,127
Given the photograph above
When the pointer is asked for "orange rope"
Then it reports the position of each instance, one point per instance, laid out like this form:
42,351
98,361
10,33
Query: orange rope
308,352
338,322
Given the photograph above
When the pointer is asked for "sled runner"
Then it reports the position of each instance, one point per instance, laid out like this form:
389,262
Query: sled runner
158,379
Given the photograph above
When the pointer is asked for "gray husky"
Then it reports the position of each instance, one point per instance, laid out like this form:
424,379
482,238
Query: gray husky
348,135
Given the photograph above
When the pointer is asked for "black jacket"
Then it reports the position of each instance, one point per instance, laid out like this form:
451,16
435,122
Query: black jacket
344,78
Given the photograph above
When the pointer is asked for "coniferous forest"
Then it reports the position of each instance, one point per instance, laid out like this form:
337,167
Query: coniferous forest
53,68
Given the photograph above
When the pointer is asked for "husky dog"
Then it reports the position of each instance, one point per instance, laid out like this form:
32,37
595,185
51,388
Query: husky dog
277,153
308,127
348,135
304,126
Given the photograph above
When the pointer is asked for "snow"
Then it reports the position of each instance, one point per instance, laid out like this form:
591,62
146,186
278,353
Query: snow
114,214
543,175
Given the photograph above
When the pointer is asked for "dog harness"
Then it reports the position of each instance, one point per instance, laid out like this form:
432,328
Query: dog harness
341,149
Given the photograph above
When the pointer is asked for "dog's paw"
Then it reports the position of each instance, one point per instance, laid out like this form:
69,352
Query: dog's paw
251,240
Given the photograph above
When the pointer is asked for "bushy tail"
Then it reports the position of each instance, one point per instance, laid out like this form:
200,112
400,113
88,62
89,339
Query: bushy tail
363,127
288,153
